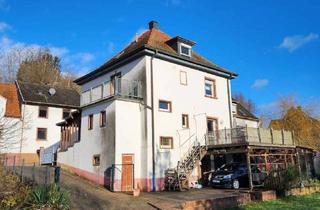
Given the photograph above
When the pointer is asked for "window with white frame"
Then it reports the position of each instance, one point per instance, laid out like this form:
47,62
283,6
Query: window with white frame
165,106
185,49
166,142
210,88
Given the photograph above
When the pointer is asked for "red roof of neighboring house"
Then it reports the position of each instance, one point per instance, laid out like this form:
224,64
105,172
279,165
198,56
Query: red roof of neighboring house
10,92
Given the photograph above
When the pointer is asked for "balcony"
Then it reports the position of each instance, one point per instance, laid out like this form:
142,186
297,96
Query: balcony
117,87
250,136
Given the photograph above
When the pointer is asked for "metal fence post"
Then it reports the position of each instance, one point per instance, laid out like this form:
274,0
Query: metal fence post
21,171
14,165
57,175
6,164
46,177
33,172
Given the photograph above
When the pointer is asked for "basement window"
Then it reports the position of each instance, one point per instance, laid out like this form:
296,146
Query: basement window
166,142
96,160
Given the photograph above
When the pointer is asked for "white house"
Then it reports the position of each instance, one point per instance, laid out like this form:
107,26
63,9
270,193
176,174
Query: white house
42,106
143,109
243,117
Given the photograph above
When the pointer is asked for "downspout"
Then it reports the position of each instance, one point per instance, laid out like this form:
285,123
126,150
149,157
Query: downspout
229,103
152,126
23,109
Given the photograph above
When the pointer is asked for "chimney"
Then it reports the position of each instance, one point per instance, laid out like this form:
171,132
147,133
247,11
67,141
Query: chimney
153,25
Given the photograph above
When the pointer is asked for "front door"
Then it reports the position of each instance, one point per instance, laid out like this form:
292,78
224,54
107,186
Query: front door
127,172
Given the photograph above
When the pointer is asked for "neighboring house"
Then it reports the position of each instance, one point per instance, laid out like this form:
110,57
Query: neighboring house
144,108
10,118
42,106
243,117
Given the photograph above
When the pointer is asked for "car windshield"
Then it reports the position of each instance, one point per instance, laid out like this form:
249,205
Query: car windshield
230,167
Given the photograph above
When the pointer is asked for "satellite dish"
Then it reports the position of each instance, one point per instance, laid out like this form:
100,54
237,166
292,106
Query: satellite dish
52,91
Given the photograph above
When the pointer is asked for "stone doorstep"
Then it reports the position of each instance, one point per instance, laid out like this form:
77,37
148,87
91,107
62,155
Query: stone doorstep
217,203
263,195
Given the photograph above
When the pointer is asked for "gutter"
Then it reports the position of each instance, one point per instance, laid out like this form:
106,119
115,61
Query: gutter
23,116
152,124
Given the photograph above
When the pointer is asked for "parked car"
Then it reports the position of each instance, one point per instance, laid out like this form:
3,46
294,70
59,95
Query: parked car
235,175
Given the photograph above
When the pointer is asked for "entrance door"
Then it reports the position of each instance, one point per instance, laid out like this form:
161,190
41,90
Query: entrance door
127,172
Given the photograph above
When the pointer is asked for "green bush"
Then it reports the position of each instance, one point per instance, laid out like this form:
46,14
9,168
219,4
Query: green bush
48,197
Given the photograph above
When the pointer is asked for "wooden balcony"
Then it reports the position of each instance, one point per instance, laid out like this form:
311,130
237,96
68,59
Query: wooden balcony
250,136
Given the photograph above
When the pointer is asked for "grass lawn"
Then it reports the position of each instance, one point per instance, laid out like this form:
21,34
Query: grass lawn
308,202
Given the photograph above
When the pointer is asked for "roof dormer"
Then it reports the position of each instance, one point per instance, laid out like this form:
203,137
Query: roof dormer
181,45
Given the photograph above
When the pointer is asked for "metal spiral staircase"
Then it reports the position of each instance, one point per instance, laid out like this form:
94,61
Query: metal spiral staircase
178,178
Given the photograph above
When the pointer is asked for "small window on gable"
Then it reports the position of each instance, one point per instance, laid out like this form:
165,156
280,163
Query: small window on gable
210,88
103,119
166,142
185,50
165,106
43,112
183,78
96,160
185,121
90,122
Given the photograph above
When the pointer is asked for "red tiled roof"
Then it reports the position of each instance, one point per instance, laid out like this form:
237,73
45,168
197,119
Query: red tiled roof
156,40
10,92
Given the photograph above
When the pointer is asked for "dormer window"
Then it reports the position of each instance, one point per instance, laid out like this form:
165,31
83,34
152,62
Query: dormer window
185,49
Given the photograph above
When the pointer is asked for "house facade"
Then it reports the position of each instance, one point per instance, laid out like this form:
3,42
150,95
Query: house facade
144,109
40,108
243,117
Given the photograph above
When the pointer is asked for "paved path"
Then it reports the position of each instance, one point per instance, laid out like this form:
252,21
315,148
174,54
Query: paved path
87,195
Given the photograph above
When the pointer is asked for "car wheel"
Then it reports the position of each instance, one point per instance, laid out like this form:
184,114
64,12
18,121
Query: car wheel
235,184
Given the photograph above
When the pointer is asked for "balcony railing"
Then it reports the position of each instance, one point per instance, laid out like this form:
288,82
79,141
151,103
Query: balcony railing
249,135
131,89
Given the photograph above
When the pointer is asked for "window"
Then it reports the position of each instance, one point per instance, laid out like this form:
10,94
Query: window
212,124
90,122
185,50
183,78
96,160
65,113
41,133
165,106
210,88
103,119
43,111
185,121
166,142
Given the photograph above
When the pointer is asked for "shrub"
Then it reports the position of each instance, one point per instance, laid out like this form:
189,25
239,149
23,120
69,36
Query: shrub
48,197
12,192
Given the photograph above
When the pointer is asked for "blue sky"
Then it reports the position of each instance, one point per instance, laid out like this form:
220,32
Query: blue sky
273,45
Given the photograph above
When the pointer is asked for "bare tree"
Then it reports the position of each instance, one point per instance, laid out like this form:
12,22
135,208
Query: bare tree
247,103
10,129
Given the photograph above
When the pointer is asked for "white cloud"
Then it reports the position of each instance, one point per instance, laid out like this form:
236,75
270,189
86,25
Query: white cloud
4,26
259,83
69,61
292,43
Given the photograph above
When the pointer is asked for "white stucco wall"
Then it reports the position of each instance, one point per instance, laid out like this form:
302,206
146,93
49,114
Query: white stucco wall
186,99
31,122
99,140
245,122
